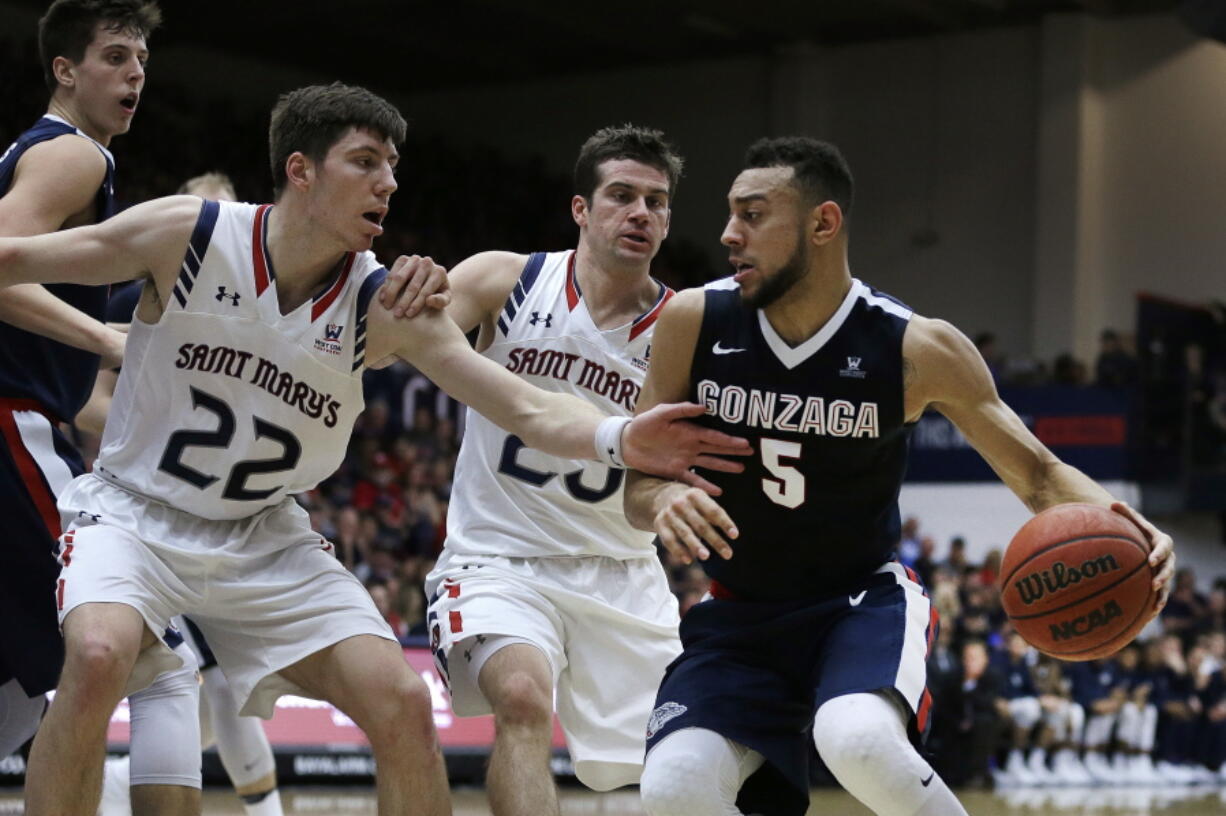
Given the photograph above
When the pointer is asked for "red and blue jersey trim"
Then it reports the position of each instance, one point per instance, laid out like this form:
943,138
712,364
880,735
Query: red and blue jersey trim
261,261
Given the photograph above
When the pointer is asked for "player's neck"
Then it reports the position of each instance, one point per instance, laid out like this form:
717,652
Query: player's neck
66,110
614,294
810,303
303,257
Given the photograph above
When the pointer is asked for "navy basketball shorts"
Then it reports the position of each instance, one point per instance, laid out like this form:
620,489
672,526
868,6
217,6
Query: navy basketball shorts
36,464
756,673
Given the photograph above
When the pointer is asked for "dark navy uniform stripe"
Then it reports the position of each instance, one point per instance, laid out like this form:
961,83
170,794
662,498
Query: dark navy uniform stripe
532,269
201,236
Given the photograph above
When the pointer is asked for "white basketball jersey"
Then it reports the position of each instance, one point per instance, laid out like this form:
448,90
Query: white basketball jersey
512,500
225,406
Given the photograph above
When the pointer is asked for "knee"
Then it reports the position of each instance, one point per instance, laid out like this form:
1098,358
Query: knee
399,710
852,735
676,784
95,661
521,701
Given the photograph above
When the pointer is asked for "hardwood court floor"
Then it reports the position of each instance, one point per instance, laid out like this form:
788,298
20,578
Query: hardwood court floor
471,802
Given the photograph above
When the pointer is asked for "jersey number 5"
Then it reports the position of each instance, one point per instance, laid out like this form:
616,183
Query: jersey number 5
221,437
787,487
508,465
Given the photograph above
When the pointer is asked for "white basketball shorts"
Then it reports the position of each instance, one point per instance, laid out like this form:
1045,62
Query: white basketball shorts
608,628
260,612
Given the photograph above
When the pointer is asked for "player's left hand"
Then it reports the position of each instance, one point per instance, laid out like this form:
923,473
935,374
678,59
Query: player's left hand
1161,555
414,283
662,443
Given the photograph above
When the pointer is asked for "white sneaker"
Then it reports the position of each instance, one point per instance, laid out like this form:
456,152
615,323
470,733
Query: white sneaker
1119,768
1037,765
1015,767
1099,768
1141,769
1068,769
116,793
1173,774
1201,775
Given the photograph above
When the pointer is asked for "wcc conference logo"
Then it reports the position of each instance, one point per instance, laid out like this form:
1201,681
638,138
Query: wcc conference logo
331,341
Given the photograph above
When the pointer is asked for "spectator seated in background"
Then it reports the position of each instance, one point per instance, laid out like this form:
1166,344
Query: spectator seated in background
967,718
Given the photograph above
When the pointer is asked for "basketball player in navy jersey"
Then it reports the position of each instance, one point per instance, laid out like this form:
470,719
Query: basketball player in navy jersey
544,595
59,174
813,629
250,341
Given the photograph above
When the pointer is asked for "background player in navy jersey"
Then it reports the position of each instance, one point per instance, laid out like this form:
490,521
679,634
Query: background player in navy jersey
59,174
813,627
284,288
544,593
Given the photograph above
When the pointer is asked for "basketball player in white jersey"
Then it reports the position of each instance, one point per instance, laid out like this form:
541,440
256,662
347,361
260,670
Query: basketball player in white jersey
240,387
544,591
241,742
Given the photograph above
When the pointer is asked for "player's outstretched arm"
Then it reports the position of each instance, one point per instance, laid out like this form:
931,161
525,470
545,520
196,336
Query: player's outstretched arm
558,424
55,185
942,369
147,240
688,521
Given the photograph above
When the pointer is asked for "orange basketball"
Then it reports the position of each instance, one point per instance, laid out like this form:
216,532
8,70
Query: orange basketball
1076,581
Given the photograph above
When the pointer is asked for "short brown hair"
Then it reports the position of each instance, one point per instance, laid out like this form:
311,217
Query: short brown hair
67,28
312,119
628,141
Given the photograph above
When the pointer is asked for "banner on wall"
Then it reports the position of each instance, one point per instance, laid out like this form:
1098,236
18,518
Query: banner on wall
1087,428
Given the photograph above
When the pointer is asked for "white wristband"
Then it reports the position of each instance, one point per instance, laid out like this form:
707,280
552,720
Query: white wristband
609,440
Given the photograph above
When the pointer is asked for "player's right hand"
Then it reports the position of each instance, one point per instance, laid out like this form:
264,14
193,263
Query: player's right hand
690,524
413,283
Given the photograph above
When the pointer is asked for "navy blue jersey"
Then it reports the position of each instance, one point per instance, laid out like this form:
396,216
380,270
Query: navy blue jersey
56,376
1094,681
817,503
1016,676
125,297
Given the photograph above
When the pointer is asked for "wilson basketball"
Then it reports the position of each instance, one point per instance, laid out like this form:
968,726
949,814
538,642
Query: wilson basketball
1076,581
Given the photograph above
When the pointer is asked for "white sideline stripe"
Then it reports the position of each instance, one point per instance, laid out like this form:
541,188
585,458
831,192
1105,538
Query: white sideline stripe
912,664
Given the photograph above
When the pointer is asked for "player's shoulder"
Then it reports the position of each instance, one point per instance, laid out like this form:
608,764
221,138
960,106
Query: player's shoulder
932,337
684,307
68,155
495,262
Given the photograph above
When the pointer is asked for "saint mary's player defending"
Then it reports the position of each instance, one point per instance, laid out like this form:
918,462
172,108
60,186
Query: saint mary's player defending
544,591
814,630
240,386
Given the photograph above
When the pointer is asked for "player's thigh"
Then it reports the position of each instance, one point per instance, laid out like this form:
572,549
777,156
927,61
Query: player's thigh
516,678
880,641
365,676
475,614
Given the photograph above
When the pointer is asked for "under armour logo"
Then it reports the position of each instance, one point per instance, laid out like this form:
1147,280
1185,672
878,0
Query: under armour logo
94,517
222,294
468,653
547,319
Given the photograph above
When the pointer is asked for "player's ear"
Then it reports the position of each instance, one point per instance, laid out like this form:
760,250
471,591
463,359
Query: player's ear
62,70
299,170
579,210
825,222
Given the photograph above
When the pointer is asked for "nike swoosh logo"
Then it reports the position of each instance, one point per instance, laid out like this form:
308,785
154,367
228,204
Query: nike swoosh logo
854,600
929,779
720,350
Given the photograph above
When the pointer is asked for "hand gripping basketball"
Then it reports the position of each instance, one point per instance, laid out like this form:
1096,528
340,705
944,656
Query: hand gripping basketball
1078,580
